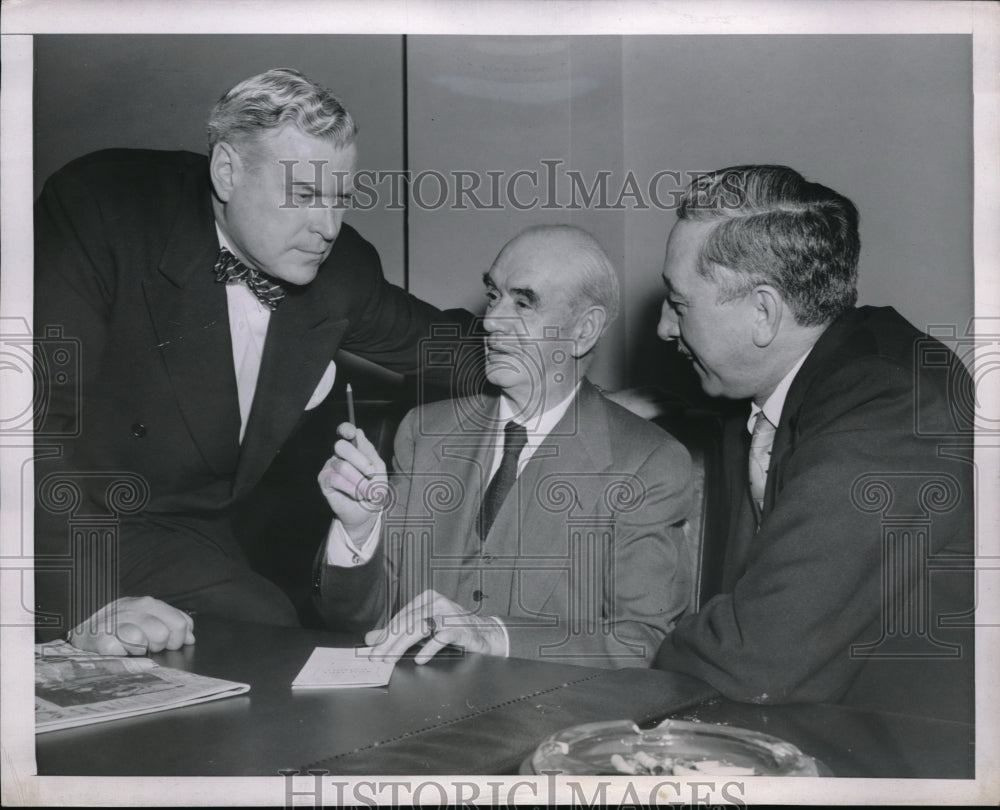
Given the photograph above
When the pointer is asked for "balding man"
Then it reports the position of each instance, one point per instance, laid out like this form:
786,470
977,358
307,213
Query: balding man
538,521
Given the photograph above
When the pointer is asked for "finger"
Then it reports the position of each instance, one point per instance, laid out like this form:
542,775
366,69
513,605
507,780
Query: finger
178,629
132,638
394,646
363,457
337,467
352,487
373,637
405,629
356,436
102,643
156,633
433,646
165,626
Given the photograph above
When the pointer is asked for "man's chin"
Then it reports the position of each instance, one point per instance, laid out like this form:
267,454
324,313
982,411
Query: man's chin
502,377
297,275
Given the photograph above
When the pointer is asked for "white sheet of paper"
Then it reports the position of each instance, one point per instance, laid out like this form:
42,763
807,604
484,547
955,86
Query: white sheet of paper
342,667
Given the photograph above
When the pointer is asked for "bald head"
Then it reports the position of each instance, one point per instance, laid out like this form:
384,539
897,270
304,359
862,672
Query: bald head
575,258
551,293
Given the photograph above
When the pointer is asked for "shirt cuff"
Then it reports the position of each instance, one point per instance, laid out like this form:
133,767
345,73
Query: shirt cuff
506,636
342,552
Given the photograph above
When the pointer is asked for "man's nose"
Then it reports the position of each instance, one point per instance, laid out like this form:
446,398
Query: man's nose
326,221
667,329
501,320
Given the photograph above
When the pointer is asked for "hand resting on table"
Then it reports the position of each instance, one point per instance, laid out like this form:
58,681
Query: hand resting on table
134,625
450,624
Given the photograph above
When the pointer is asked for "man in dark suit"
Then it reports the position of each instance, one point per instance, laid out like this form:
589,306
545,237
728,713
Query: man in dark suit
542,521
207,298
850,476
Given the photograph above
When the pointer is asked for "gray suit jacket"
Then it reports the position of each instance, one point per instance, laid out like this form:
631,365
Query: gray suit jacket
587,561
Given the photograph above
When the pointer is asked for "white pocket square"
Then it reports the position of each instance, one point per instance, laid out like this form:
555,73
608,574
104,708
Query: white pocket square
325,384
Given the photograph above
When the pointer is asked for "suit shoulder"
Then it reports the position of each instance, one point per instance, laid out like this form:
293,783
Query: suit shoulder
632,435
130,183
444,414
135,163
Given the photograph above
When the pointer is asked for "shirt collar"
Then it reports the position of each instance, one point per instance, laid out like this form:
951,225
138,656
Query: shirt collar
223,242
775,403
540,426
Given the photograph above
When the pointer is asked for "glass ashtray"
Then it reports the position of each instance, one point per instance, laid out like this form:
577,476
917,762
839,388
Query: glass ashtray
675,748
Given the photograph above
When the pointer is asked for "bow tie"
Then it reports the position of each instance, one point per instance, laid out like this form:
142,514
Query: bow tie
268,291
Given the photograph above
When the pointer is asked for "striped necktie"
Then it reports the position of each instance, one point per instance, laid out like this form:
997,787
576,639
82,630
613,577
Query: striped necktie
760,456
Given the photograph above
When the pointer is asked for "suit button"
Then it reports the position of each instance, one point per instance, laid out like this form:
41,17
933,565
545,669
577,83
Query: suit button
478,596
488,559
138,430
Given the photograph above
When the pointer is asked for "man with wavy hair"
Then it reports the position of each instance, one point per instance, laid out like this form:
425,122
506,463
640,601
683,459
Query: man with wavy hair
208,296
849,473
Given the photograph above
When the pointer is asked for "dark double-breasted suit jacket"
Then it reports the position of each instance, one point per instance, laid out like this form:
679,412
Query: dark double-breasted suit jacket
139,430
856,588
587,561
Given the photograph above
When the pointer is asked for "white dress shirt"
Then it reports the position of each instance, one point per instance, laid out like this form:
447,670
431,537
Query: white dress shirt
248,320
775,404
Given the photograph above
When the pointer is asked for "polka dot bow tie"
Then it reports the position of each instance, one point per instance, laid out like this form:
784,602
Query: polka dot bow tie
268,291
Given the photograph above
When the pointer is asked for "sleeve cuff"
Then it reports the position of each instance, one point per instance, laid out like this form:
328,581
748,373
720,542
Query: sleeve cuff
506,636
342,552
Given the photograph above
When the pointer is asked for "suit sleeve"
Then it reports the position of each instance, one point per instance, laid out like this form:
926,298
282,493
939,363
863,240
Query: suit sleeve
646,587
392,325
74,286
812,586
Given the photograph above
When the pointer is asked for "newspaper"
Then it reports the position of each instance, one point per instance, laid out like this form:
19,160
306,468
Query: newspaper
75,688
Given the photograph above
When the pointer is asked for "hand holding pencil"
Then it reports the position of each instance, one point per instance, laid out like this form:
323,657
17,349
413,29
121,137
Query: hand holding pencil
354,480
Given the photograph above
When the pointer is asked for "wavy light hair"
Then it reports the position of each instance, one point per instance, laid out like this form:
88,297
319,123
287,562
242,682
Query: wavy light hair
272,100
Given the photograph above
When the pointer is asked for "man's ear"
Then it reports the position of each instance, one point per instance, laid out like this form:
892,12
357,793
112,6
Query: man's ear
224,167
588,329
768,310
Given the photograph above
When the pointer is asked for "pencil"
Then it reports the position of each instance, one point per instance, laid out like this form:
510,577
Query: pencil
350,410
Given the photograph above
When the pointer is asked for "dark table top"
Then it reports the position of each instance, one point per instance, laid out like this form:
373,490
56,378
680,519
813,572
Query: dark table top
459,714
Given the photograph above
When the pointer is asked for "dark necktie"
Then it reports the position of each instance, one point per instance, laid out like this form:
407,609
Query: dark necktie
268,291
514,439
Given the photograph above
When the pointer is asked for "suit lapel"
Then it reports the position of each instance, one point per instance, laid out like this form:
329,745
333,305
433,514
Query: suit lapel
742,521
468,453
573,454
190,317
742,517
829,344
302,338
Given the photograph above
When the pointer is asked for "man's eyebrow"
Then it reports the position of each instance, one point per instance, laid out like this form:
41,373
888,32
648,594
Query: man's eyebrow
526,293
488,280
